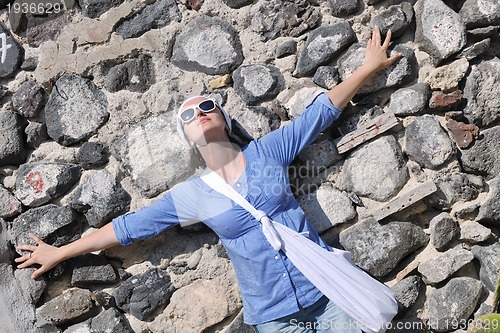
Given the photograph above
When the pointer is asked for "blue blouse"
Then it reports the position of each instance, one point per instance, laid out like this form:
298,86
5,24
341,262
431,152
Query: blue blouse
271,286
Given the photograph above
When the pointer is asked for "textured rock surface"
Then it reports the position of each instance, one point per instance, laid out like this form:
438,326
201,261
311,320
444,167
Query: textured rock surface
257,83
75,110
427,143
454,302
363,172
12,151
322,45
440,30
410,101
483,157
327,207
483,99
377,249
444,265
209,45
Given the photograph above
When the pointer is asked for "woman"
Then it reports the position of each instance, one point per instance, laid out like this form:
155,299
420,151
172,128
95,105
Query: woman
276,296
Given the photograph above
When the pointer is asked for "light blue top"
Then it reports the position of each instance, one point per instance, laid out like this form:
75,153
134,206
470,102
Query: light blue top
271,286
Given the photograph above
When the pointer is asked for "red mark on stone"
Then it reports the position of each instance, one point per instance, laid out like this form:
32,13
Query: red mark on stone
35,179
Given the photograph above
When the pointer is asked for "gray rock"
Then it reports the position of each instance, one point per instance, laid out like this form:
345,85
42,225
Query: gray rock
91,155
28,100
489,211
481,93
238,326
12,150
42,221
79,328
92,269
45,28
13,55
475,50
473,232
373,2
281,18
72,305
378,249
478,34
322,46
257,83
151,152
440,31
38,183
480,13
9,205
155,15
286,48
483,156
94,8
257,121
315,158
110,321
100,198
36,133
453,188
356,116
445,264
344,7
238,3
411,100
453,303
399,73
397,18
443,231
489,267
134,75
427,143
209,45
75,110
376,169
327,207
145,293
326,77
29,64
34,287
17,313
407,292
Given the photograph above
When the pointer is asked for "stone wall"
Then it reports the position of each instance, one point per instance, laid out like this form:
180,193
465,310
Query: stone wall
88,90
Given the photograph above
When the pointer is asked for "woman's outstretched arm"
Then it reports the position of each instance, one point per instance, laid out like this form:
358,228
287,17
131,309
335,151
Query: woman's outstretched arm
375,59
48,256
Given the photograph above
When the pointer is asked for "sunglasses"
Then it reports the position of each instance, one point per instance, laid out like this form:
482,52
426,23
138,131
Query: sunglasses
189,114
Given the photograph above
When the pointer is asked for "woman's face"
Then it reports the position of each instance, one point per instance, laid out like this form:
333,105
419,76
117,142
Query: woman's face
205,127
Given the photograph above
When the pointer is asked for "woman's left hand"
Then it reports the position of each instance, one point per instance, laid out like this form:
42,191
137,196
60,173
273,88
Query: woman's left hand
376,52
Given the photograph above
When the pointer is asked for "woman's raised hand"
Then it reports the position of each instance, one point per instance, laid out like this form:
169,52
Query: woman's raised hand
43,254
376,52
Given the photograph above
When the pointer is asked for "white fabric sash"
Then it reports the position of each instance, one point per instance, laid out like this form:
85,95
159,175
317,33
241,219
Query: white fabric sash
366,300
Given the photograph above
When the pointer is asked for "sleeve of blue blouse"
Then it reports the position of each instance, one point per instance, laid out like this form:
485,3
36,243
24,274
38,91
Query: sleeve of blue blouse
286,142
173,208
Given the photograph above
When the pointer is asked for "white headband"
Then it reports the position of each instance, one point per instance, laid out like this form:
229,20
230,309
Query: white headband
180,130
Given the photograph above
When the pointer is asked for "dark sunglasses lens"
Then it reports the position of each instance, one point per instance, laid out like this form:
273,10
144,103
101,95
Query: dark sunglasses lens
187,114
207,105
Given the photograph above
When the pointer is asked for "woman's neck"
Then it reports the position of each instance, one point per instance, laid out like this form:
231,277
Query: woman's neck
224,158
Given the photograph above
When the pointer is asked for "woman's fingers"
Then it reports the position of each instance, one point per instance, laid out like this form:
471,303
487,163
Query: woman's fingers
38,272
387,39
376,35
27,247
